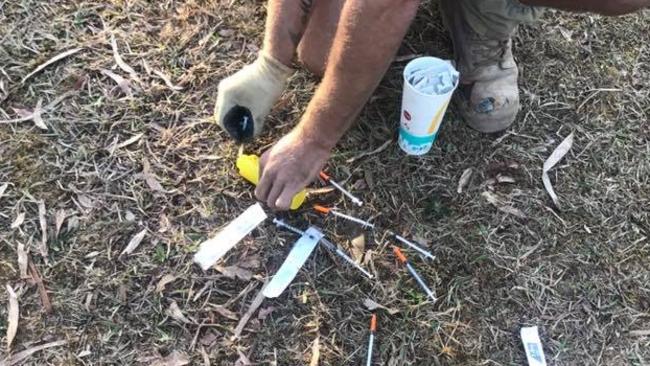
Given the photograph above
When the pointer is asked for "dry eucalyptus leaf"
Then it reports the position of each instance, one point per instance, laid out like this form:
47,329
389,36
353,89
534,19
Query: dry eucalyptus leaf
119,61
51,61
20,218
12,316
59,218
166,279
175,312
167,81
501,205
315,352
164,223
225,312
17,358
505,179
121,82
129,141
22,260
3,188
464,179
560,151
135,241
372,306
149,178
36,115
358,247
43,223
85,201
235,272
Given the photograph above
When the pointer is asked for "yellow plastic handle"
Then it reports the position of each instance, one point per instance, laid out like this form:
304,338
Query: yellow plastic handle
249,168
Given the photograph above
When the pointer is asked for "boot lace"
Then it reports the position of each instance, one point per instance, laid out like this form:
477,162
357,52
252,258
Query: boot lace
488,52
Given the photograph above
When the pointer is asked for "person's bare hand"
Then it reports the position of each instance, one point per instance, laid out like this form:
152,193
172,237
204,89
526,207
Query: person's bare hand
288,167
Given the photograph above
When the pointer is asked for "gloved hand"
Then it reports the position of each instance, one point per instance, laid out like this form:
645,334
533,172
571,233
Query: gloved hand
245,98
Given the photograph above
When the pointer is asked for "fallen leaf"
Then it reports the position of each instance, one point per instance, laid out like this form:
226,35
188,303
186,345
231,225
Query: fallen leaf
176,358
166,279
492,198
135,241
175,312
464,179
59,218
372,306
315,352
84,353
560,151
45,299
265,312
17,358
501,205
358,247
119,61
129,141
505,179
12,316
85,201
43,223
225,312
235,272
36,116
22,260
167,81
243,359
149,178
121,82
3,188
20,218
164,223
51,61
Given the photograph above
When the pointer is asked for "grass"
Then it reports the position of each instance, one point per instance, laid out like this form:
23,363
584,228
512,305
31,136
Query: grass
579,273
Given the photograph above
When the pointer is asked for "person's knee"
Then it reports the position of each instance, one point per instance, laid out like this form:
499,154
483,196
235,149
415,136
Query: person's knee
620,7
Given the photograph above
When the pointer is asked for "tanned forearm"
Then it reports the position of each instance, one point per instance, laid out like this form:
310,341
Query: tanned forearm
285,24
368,36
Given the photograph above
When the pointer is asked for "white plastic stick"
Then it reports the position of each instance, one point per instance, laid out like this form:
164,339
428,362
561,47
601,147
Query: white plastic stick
212,249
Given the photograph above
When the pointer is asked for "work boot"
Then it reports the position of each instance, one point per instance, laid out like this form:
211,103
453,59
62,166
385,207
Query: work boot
481,31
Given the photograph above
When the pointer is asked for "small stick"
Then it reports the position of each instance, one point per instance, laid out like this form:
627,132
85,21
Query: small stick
328,244
402,258
371,341
326,210
329,180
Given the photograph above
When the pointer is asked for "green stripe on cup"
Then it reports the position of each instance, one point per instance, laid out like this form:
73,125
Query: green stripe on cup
416,140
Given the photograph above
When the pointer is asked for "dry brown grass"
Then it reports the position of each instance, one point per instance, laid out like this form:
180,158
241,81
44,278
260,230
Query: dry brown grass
581,274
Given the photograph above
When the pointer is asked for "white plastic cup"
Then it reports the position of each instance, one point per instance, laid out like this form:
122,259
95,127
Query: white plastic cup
422,113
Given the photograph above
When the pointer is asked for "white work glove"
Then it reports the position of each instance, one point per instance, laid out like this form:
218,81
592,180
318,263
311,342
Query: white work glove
245,98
